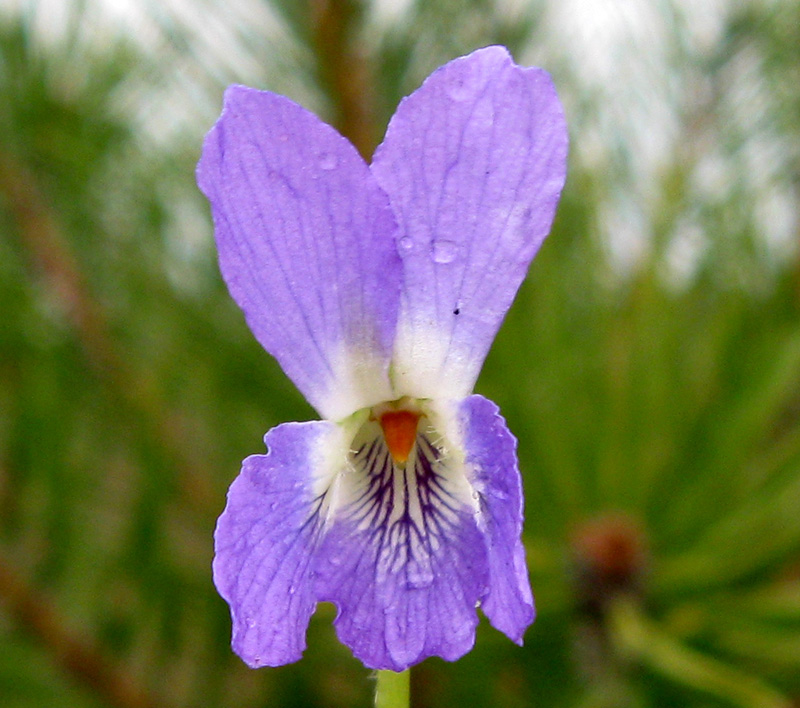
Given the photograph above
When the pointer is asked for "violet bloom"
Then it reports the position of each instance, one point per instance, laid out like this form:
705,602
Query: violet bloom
379,289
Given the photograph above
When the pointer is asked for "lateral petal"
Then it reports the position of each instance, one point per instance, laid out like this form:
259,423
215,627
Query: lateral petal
473,162
306,245
267,538
491,461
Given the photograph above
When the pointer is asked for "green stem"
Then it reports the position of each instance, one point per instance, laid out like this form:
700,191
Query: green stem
392,689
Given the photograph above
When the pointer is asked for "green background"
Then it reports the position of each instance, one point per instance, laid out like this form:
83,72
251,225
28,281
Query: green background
650,366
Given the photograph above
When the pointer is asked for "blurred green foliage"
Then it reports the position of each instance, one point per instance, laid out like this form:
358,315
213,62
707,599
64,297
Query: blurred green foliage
650,366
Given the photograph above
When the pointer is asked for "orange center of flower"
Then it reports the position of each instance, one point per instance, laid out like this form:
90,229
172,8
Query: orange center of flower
400,432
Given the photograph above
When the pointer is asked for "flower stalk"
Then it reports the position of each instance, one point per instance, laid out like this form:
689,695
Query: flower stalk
392,689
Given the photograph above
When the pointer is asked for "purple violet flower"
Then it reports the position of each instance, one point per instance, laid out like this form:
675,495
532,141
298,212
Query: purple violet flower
379,290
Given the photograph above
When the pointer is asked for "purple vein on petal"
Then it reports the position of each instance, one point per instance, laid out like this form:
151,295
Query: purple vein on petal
310,333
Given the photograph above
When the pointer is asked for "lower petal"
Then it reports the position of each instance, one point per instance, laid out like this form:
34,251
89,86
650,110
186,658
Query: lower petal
404,559
405,546
493,471
267,537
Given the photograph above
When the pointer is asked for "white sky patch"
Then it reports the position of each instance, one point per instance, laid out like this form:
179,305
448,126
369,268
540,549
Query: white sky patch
643,102
704,22
619,50
636,88
712,178
776,219
627,233
509,9
192,44
386,13
686,248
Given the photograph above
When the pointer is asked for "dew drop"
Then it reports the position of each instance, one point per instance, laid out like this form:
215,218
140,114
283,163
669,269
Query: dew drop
328,161
444,251
405,244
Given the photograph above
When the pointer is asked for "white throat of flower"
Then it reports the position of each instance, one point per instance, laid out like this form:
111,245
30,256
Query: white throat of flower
404,482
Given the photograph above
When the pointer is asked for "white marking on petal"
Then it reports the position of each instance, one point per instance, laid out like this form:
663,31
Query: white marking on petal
425,365
408,510
360,380
332,452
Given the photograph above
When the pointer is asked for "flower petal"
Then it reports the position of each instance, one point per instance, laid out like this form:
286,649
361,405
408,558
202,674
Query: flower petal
403,558
474,162
491,460
267,537
306,246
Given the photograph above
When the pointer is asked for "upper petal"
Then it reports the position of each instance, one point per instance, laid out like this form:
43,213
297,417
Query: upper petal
306,245
473,162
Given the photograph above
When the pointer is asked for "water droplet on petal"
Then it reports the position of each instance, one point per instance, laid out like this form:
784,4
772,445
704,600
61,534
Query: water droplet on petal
405,244
328,161
444,251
